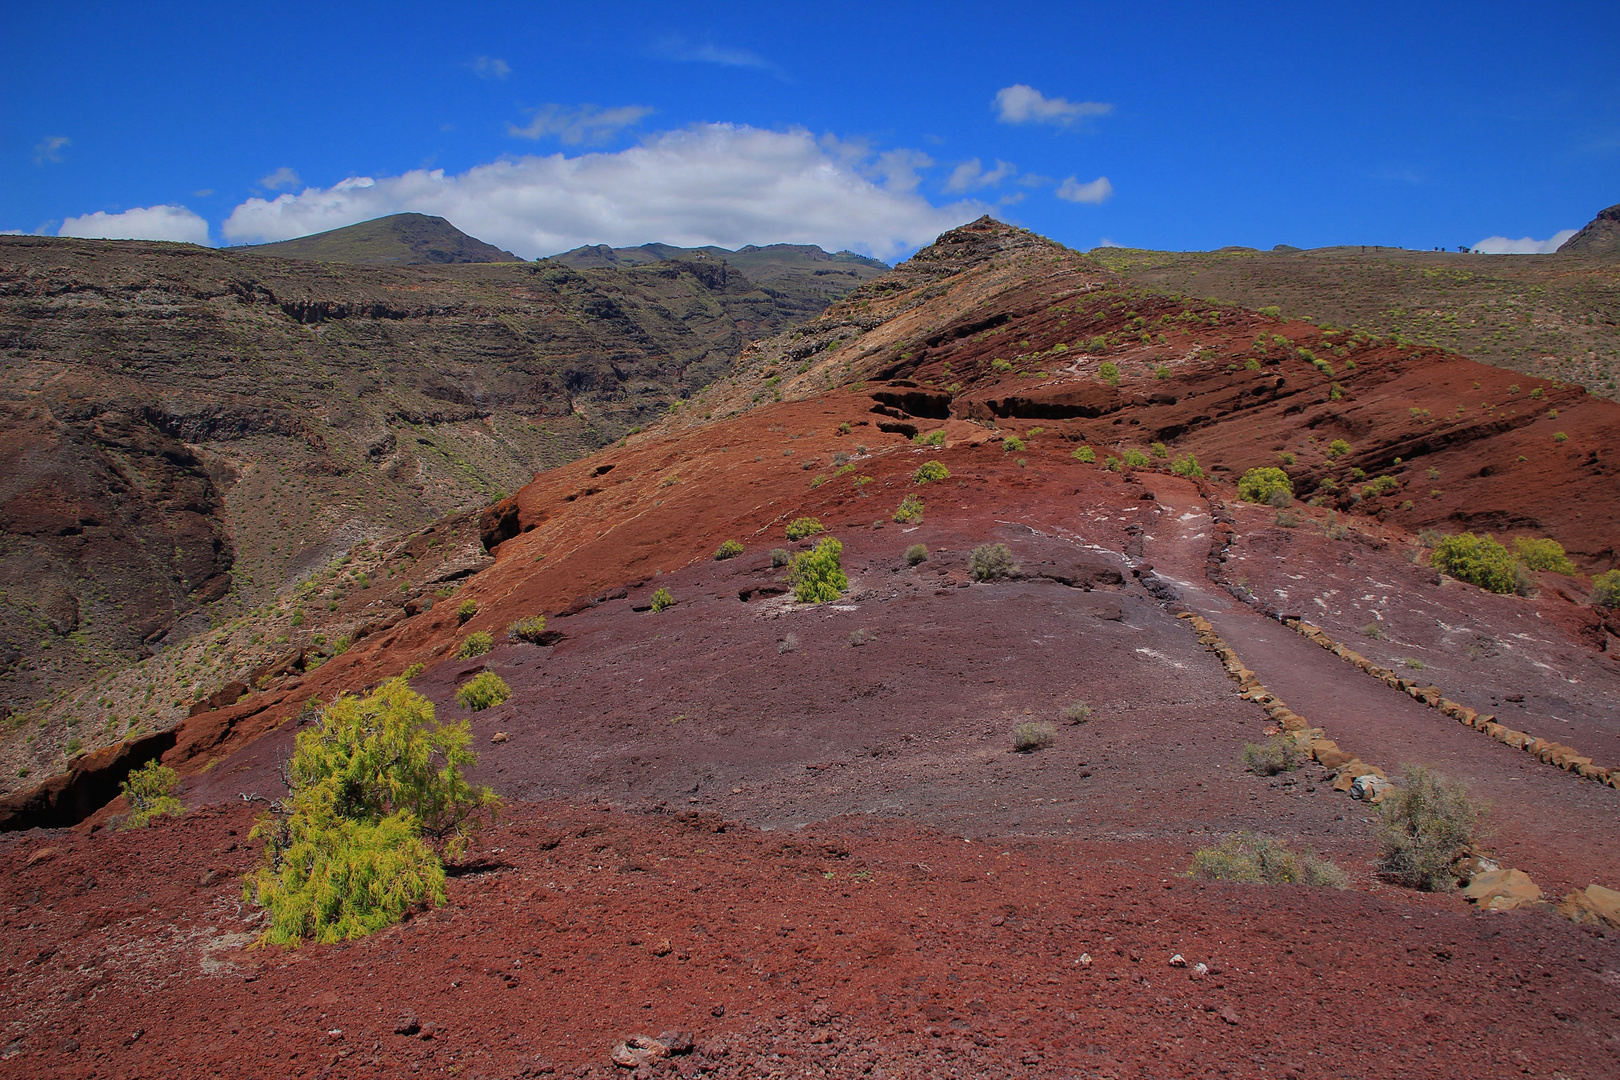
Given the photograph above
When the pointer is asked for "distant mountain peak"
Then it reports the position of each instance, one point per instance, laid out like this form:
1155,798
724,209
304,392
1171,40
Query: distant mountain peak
395,240
1601,236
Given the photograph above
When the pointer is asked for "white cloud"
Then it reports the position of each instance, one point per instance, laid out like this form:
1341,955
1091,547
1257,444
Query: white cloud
281,178
141,223
490,67
1095,192
971,175
1501,245
49,149
1021,104
708,184
586,124
683,51
899,168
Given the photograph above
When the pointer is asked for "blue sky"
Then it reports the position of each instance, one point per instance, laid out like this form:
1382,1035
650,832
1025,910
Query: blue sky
541,126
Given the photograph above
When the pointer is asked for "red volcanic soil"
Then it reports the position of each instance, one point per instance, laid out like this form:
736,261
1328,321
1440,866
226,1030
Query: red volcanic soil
857,948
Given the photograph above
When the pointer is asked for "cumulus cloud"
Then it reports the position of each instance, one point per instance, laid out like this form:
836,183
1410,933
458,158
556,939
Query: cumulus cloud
490,67
142,223
49,149
281,178
584,125
972,175
720,184
1021,104
1096,191
1525,245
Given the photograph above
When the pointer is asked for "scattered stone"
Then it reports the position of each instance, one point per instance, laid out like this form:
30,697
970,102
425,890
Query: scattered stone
407,1024
638,1051
662,948
1178,961
499,737
1593,904
1229,1016
1502,890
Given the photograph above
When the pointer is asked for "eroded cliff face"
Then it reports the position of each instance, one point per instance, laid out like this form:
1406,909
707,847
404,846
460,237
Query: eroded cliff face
178,423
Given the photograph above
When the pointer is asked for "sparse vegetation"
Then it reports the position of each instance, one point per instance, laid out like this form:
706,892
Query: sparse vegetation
910,510
817,575
1187,466
931,438
149,791
1085,454
799,528
1478,560
372,789
475,644
484,690
1078,713
1159,450
662,600
780,557
1426,823
1012,444
1543,553
1337,449
1032,735
1372,630
1381,485
930,471
528,629
991,561
1605,589
1108,372
1264,485
1413,664
1279,754
915,554
1135,458
1248,858
729,550
466,610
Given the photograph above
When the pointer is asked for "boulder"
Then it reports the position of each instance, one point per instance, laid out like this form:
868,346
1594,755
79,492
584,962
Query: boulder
1593,904
1502,890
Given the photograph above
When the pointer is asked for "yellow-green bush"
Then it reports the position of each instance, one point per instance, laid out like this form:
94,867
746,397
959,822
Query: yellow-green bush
1542,553
1478,560
799,528
528,629
1606,589
1263,485
817,575
149,791
483,691
374,793
475,644
729,550
910,510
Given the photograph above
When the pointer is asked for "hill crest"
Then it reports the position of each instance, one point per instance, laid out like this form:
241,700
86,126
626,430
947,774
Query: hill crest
395,240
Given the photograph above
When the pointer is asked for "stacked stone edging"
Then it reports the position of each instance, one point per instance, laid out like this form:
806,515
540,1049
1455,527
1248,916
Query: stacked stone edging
1553,753
1344,767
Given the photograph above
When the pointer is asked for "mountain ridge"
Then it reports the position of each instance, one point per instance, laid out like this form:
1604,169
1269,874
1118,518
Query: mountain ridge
406,239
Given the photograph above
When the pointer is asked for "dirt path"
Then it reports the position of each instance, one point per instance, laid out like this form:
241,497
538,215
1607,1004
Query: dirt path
1564,832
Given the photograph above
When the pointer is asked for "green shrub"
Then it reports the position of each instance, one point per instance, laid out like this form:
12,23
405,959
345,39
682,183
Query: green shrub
799,528
1262,484
1258,860
1426,823
1135,458
1251,364
728,550
1380,485
476,644
1559,436
1187,466
1085,454
1415,665
1606,589
1032,735
1159,450
528,629
662,600
1012,444
930,471
1078,713
991,561
780,557
817,575
149,791
1478,560
1108,372
483,691
932,438
349,851
1286,458
1278,754
466,610
916,553
910,510
1338,448
1000,365
1543,553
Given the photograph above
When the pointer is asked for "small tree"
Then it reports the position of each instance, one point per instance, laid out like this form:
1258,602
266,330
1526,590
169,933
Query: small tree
375,792
149,791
